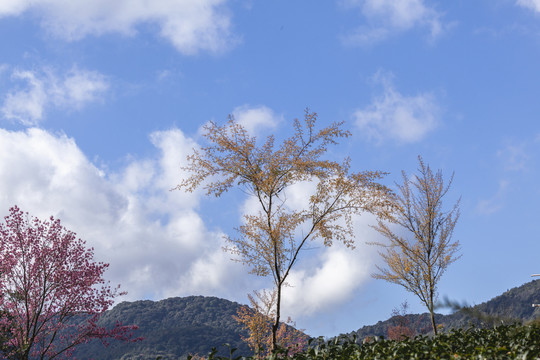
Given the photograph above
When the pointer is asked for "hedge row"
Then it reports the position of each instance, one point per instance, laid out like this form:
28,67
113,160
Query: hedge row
502,342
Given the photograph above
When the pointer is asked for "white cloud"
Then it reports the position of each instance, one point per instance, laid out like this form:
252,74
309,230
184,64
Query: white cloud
394,116
323,277
327,285
156,243
514,156
12,7
494,203
189,25
255,119
387,17
36,91
333,277
26,105
530,4
80,87
295,197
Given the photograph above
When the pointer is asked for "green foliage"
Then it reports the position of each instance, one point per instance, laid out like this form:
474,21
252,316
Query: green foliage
502,342
172,329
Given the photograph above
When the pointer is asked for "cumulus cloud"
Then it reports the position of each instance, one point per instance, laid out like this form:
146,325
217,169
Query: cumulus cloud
331,276
323,277
189,25
154,239
398,117
255,119
331,283
387,17
36,91
530,4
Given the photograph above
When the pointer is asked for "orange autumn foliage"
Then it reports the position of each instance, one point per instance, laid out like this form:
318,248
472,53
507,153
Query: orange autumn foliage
418,259
257,321
402,328
270,240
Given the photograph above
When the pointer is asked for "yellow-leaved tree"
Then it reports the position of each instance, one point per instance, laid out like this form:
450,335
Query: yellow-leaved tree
270,241
418,259
258,319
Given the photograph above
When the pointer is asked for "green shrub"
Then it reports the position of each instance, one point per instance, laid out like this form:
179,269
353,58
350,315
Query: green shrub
502,342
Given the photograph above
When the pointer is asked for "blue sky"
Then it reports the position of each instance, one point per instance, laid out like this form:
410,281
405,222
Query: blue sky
100,102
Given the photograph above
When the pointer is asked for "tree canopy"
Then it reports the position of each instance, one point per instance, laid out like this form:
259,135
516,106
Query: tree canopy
418,257
52,291
270,240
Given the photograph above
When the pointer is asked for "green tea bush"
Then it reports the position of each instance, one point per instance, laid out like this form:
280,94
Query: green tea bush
502,342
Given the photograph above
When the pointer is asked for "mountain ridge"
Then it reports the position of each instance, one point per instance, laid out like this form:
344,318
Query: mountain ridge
176,327
172,328
514,305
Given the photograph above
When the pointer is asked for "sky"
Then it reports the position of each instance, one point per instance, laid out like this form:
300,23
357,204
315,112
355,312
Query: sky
101,102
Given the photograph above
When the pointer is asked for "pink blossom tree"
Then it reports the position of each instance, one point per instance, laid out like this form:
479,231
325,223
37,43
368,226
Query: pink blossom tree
52,293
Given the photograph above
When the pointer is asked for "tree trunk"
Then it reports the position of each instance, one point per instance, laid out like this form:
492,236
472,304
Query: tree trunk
431,307
432,310
275,326
433,322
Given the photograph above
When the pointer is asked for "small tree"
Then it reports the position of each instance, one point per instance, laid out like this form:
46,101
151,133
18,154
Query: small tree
402,328
270,241
52,292
257,321
417,260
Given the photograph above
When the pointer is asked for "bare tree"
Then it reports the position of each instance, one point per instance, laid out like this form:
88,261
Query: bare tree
270,240
417,260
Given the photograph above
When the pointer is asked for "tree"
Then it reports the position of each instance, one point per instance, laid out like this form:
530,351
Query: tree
257,320
52,292
402,325
270,241
418,259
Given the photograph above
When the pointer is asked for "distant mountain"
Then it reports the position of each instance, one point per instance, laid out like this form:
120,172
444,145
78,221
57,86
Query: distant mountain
176,327
513,305
172,328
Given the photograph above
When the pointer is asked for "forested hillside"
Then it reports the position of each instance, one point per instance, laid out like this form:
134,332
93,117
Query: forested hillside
513,305
172,328
176,327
